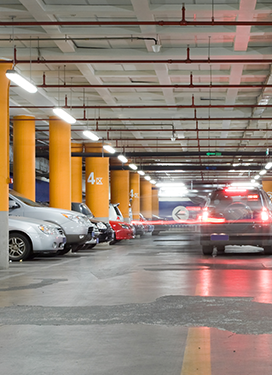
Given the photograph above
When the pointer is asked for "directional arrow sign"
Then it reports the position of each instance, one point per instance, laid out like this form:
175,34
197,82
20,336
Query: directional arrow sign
180,213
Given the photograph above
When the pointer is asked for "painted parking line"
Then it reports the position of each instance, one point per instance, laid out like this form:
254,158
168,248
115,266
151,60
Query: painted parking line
197,355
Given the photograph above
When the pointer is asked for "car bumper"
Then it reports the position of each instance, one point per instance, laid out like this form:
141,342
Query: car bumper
240,234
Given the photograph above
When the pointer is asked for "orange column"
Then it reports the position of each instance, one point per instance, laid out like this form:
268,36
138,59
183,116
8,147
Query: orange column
155,201
267,186
120,191
146,198
97,183
4,165
24,156
76,173
59,163
134,192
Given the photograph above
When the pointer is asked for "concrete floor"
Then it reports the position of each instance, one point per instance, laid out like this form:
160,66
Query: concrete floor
147,306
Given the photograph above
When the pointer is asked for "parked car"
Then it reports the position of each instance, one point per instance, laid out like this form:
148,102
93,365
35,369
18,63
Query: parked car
160,224
29,237
148,228
103,230
122,230
237,216
76,227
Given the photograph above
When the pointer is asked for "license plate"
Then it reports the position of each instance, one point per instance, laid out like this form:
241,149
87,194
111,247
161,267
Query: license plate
219,237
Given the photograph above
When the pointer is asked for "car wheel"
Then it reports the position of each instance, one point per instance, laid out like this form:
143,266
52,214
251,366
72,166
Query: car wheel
268,250
221,249
19,246
207,250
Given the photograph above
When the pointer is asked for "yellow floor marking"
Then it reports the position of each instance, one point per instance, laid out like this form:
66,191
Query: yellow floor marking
197,355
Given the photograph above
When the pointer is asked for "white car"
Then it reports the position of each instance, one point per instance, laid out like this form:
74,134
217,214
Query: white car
76,227
28,236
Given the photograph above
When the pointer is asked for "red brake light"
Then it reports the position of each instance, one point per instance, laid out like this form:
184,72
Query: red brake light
234,190
253,197
264,214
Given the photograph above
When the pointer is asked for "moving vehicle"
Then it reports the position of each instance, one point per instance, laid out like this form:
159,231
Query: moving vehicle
76,227
236,215
29,237
122,230
103,230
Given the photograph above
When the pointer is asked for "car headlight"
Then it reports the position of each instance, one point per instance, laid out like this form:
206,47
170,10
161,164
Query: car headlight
101,225
124,226
47,229
77,218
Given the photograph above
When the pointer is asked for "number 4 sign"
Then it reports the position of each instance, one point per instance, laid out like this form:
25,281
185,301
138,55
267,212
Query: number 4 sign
92,180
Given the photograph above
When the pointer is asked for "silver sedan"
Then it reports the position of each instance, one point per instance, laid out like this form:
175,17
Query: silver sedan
28,237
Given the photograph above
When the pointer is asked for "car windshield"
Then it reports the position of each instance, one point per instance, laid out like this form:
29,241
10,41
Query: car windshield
84,209
118,212
24,199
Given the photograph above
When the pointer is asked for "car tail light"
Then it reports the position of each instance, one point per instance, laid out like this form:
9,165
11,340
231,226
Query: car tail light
235,190
253,197
205,214
264,214
213,220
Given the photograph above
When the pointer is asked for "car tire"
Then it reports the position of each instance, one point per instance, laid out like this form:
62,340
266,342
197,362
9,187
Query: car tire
20,247
268,250
221,249
207,250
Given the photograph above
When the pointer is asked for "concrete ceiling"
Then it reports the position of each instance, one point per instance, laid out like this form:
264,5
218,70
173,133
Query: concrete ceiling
234,120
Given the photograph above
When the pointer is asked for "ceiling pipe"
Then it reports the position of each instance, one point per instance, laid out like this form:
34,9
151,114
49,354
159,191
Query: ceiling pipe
208,148
151,61
180,23
165,119
147,86
38,129
147,106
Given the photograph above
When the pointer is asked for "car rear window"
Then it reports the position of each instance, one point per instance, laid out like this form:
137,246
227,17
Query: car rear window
225,197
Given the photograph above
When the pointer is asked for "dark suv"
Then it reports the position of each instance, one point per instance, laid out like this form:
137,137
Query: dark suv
237,216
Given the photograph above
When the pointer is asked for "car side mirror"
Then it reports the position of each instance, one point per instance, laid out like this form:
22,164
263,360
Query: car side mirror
13,205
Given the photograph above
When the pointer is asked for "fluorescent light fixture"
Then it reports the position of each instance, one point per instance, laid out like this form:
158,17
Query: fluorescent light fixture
172,191
171,184
110,149
90,135
244,184
122,158
153,182
257,177
64,115
268,165
15,77
141,173
148,178
263,171
133,166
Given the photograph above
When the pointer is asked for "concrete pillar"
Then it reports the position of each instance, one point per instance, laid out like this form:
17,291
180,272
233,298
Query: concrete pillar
59,163
134,193
24,156
76,173
267,186
146,198
120,191
97,183
155,201
4,165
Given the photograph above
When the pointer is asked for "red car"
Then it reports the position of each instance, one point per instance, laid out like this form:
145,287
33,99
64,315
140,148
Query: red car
122,231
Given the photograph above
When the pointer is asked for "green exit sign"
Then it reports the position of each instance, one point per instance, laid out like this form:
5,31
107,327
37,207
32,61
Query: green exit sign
213,153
